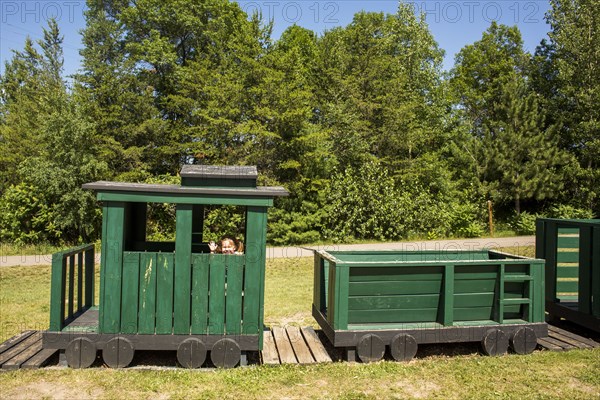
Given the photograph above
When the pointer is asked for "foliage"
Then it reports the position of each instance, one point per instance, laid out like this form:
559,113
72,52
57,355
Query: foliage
524,223
360,123
223,221
369,204
566,211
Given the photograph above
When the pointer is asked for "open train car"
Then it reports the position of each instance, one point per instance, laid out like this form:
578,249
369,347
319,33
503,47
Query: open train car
165,295
571,248
367,301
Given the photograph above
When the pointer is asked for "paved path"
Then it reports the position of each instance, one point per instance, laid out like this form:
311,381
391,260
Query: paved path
294,251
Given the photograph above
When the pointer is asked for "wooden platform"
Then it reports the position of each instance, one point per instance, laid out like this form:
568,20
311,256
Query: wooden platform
561,340
293,345
24,351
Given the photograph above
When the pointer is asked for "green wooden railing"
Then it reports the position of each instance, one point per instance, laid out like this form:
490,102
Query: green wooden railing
72,287
571,249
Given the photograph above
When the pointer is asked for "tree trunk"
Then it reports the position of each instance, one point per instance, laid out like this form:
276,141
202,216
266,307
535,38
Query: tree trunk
518,203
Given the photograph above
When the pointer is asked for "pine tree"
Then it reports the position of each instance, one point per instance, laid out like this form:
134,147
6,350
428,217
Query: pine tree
522,155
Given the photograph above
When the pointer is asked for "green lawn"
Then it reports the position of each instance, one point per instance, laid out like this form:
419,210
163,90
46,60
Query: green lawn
458,372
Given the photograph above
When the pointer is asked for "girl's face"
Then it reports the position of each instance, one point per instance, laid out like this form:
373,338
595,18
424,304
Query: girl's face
227,246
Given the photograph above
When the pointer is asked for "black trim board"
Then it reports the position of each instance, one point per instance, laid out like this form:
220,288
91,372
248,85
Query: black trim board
60,340
450,334
570,314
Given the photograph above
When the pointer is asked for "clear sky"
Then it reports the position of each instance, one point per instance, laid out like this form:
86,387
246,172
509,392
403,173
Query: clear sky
453,23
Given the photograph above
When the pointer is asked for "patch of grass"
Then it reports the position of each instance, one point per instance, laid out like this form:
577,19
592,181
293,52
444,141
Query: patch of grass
525,251
288,291
549,375
24,299
9,249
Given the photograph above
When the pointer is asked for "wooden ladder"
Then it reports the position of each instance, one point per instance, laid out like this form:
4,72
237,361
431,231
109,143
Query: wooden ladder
502,301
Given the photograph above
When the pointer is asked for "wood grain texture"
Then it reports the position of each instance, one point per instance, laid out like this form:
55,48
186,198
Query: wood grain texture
286,352
300,347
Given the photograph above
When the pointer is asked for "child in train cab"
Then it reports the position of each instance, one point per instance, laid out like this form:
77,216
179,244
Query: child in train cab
227,245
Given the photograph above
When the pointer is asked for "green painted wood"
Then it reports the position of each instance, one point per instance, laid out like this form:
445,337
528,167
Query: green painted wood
473,314
103,250
392,302
79,281
567,257
567,286
376,288
595,271
568,242
501,295
408,255
429,273
216,300
332,293
326,282
90,277
342,285
567,272
71,299
57,292
146,197
566,231
256,225
261,237
477,272
183,269
540,239
551,233
448,296
113,264
466,300
147,299
392,316
164,293
537,271
474,286
585,270
200,293
130,292
519,269
318,283
233,295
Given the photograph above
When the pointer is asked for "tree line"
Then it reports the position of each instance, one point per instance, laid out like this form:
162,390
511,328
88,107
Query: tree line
373,139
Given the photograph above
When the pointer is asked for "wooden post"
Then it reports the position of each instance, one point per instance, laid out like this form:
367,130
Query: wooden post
491,219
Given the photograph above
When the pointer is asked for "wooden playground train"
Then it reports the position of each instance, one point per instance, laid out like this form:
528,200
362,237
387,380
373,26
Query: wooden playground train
178,296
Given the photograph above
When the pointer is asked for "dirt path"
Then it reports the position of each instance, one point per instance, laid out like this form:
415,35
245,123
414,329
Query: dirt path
295,251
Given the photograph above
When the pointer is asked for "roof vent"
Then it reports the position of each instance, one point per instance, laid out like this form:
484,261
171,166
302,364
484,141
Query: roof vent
219,176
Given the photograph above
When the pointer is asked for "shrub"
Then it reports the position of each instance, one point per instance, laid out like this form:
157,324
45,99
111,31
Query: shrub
524,223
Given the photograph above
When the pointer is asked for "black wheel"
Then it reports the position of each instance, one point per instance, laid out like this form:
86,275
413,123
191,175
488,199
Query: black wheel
118,352
370,348
495,342
191,353
524,340
225,353
80,353
403,347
